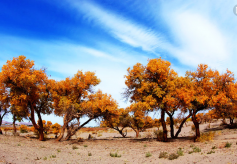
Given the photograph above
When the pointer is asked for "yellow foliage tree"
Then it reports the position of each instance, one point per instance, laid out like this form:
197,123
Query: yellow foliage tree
140,122
118,122
4,101
56,129
30,89
151,84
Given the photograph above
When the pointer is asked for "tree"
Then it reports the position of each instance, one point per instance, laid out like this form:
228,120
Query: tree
56,129
70,93
225,98
95,107
151,84
4,102
30,89
203,92
118,122
139,121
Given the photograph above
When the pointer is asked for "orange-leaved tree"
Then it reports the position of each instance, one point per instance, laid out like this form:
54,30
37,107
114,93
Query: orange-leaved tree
69,95
118,122
96,106
151,84
225,98
56,129
139,120
4,101
30,89
202,92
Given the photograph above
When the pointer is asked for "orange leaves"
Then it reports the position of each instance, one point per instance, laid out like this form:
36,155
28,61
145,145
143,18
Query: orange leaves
100,104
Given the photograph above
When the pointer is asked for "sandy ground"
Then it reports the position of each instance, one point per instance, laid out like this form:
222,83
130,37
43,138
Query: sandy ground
21,149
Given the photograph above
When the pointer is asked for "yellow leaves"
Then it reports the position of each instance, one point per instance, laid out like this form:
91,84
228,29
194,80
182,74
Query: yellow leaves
100,104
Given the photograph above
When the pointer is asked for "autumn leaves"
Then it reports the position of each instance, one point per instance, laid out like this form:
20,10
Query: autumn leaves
158,88
154,87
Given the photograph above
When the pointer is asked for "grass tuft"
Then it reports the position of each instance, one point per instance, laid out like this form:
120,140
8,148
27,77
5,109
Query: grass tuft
163,154
115,155
148,154
173,156
228,144
74,147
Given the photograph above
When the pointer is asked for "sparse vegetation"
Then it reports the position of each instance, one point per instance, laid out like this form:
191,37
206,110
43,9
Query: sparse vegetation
53,156
115,154
173,156
180,152
210,152
228,144
75,147
23,129
206,137
163,154
196,149
148,154
85,146
89,154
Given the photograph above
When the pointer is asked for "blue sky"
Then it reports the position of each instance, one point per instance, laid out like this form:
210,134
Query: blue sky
108,36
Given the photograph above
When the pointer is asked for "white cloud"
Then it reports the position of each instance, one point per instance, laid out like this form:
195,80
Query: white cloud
198,38
123,29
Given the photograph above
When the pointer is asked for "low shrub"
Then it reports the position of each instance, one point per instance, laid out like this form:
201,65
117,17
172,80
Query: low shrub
159,135
163,154
196,149
180,152
209,136
23,129
74,147
210,152
228,144
148,154
115,155
173,156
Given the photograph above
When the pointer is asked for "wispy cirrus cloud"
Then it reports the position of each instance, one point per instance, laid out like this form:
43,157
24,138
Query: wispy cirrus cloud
121,28
197,36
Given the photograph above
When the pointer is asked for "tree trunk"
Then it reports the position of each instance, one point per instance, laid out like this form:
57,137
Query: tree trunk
171,125
14,124
165,139
41,127
120,131
62,133
137,133
231,121
0,125
196,124
73,131
41,135
181,125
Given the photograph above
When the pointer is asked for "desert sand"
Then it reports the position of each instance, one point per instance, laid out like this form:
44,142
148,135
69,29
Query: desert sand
27,149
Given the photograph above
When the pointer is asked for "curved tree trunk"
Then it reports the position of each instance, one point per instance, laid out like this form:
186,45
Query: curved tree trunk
123,134
196,124
0,125
41,127
165,139
73,131
62,133
181,126
65,124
